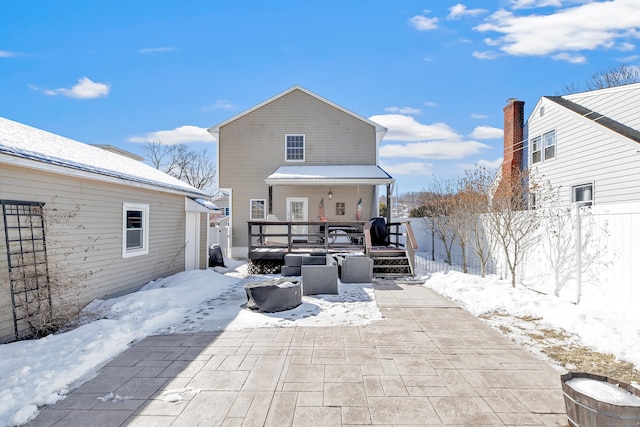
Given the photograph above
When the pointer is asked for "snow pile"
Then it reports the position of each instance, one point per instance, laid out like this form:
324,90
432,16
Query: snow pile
606,330
604,392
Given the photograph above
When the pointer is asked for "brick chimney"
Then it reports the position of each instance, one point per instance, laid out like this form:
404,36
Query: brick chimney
513,135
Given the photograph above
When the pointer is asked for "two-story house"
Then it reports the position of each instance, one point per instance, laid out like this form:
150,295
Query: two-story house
586,144
298,157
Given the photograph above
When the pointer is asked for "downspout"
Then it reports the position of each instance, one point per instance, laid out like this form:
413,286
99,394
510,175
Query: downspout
388,203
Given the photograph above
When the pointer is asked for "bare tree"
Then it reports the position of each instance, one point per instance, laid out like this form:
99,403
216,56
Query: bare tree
614,76
513,221
611,77
438,205
193,167
476,189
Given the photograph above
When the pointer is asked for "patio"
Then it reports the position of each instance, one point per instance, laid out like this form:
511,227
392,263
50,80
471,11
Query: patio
427,363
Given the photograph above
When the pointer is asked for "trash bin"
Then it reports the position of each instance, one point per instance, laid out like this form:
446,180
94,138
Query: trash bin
215,256
595,400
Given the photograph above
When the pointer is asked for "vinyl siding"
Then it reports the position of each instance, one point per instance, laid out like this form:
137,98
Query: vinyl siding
586,153
253,146
84,234
618,103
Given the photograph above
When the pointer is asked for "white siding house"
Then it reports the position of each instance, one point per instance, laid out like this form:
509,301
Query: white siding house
587,145
109,224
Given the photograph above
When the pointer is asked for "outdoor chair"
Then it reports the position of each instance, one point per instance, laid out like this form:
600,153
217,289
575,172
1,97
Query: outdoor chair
319,275
355,269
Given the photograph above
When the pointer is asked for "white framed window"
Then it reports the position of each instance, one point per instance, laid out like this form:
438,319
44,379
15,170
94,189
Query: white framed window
294,148
582,194
135,229
258,209
549,140
536,150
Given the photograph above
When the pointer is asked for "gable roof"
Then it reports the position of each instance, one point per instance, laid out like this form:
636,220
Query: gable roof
216,128
22,144
615,126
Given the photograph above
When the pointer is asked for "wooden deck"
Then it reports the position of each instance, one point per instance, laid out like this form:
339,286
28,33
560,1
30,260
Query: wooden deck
271,241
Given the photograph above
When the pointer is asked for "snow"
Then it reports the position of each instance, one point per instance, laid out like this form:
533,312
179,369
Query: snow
41,372
360,173
24,141
604,392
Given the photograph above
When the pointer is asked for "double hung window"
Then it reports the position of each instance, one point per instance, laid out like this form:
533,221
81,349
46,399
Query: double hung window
549,145
258,209
536,152
294,148
135,229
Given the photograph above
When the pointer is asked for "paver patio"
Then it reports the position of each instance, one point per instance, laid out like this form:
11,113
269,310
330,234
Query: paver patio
428,363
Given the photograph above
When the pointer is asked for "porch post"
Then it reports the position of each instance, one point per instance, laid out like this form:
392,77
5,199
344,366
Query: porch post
388,203
270,200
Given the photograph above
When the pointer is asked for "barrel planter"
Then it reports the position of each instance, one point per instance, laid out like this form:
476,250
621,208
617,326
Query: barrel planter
595,400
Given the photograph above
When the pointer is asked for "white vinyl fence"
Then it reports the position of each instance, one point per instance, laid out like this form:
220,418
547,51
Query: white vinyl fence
581,252
219,235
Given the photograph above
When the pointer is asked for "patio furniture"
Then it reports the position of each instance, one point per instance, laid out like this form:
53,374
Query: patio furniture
273,295
355,269
319,275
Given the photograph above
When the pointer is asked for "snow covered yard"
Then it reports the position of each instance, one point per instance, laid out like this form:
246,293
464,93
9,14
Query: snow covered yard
41,372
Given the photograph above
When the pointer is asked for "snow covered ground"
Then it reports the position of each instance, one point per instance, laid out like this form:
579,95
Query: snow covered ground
41,372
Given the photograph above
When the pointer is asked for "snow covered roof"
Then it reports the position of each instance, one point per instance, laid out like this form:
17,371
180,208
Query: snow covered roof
19,141
329,174
214,130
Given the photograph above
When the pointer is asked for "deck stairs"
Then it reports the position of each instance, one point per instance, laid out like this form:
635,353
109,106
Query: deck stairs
390,262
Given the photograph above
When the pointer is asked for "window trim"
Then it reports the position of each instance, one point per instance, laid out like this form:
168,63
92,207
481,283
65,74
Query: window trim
586,203
264,205
286,147
144,250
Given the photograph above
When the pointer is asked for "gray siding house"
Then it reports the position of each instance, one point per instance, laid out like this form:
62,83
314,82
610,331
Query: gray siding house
586,144
109,224
286,156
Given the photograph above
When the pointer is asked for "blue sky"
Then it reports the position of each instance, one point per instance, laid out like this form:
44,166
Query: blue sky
436,73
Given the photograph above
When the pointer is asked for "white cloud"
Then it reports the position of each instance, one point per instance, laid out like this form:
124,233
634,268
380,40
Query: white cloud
589,26
433,150
459,10
485,55
529,4
84,89
486,132
221,104
423,23
573,59
626,47
7,54
409,168
406,128
179,135
630,58
490,165
430,104
403,110
479,116
156,49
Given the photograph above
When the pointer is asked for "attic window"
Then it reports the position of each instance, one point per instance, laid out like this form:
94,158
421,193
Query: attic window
294,149
542,111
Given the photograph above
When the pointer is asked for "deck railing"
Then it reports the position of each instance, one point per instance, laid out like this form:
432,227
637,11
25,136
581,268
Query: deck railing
326,235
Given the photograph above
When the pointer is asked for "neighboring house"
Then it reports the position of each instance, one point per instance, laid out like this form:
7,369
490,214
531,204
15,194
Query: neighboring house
283,157
586,144
109,223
